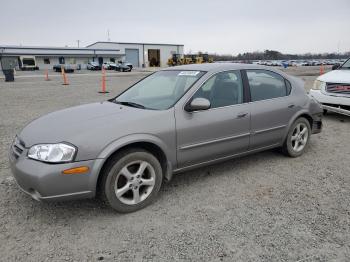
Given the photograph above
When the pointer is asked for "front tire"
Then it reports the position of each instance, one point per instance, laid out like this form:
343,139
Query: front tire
131,180
297,138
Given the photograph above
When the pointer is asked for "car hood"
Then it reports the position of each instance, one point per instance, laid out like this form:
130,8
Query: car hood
341,76
89,127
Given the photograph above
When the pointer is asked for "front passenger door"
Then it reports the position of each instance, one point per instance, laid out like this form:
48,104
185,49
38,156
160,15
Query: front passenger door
220,131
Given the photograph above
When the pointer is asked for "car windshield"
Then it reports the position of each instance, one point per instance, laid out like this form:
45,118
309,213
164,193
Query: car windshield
160,90
346,65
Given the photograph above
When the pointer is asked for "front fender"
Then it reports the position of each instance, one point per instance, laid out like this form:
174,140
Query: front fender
134,138
128,140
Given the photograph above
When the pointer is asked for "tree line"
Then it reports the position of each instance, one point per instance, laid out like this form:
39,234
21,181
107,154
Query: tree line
275,55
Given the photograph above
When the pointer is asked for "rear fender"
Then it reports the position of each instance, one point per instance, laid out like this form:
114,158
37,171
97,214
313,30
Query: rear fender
300,113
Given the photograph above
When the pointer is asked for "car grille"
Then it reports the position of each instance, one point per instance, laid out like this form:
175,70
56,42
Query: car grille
338,88
17,147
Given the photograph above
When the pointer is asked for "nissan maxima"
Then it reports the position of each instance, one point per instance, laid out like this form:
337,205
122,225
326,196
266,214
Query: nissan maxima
174,120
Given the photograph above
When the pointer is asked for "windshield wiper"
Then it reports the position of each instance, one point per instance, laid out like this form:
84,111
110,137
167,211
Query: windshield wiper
132,104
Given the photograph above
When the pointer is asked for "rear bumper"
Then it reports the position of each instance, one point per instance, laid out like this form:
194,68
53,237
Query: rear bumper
46,182
317,123
317,127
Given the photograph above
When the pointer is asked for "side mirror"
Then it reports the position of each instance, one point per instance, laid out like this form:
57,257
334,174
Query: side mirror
336,66
198,104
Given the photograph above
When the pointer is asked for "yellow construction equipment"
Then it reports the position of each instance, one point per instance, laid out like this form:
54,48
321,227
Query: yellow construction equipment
174,60
199,58
207,58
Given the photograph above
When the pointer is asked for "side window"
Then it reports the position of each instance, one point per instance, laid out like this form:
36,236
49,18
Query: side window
289,86
266,85
222,89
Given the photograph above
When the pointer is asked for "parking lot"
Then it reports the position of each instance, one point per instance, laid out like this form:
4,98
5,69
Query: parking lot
263,207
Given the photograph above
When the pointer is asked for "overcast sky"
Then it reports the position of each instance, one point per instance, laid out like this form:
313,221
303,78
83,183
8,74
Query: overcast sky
221,26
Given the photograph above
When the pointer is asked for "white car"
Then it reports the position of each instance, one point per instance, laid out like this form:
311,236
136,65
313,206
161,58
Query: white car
109,65
332,89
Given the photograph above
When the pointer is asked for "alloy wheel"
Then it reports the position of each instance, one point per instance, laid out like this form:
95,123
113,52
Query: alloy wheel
299,137
135,182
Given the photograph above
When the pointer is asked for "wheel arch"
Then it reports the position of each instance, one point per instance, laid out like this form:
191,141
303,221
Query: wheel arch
304,114
149,143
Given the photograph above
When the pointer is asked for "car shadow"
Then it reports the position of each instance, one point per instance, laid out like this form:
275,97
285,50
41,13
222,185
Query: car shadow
212,172
336,116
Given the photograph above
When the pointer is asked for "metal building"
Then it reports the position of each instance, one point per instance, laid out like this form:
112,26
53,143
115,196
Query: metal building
47,57
139,54
143,54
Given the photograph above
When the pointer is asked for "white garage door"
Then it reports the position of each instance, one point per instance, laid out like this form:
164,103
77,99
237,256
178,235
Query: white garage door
132,56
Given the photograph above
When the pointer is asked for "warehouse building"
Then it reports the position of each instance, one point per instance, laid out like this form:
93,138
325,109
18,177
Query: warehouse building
47,57
139,54
143,54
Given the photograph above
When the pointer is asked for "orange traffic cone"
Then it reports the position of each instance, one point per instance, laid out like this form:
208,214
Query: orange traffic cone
321,69
65,80
47,75
103,86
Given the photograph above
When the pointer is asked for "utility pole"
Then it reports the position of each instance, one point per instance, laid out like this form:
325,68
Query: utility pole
108,38
78,41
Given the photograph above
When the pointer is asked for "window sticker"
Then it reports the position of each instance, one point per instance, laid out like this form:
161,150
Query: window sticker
188,73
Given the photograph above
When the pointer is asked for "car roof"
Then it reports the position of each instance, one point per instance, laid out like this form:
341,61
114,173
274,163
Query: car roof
214,67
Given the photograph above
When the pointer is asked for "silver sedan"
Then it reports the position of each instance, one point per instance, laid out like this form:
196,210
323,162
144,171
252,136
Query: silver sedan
174,120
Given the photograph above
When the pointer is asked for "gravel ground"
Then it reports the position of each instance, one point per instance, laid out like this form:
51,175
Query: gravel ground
264,207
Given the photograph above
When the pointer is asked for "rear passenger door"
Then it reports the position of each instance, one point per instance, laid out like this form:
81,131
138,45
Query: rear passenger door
271,107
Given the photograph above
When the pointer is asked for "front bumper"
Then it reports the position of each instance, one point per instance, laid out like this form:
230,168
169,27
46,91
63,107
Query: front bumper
330,99
333,103
45,181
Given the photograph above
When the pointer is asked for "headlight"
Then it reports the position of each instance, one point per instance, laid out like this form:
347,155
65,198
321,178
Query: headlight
318,85
53,153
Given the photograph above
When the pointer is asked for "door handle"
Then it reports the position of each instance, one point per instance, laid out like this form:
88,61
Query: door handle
291,106
241,115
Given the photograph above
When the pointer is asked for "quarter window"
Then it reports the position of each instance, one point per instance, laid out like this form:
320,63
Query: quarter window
222,89
289,86
266,85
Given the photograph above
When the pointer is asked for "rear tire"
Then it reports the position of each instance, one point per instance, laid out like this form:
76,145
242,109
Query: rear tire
297,138
131,180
